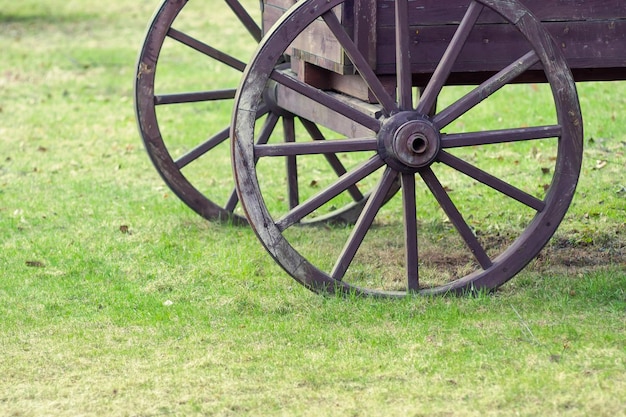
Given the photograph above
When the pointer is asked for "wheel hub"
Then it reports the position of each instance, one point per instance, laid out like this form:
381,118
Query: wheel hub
409,142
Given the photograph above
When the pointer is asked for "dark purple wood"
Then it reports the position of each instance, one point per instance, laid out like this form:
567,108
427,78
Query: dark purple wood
328,53
268,128
345,182
202,148
456,218
326,101
590,33
500,136
491,181
205,147
586,45
449,58
195,97
486,89
232,202
362,226
365,29
317,147
206,49
403,56
409,211
293,191
430,11
361,64
245,18
332,158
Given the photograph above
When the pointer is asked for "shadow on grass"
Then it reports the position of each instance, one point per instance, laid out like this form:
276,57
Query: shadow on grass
43,17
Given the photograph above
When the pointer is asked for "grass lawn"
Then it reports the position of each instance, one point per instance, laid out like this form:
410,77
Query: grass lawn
117,299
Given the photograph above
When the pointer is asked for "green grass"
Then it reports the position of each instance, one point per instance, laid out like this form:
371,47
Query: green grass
116,299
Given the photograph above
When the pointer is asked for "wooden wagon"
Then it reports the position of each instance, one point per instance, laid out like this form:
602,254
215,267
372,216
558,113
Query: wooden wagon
383,148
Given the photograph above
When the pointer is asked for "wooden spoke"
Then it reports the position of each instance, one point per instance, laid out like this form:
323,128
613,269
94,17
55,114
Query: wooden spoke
326,100
316,147
410,231
207,146
203,148
361,63
456,218
206,49
293,190
362,226
194,97
486,89
491,181
232,201
324,196
432,90
267,129
332,159
403,57
489,137
245,18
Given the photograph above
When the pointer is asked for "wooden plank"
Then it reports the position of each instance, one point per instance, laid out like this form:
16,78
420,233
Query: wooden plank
594,44
365,29
317,44
591,34
311,110
351,84
431,12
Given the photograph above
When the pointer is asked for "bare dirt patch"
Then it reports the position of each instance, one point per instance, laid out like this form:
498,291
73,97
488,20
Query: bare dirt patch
445,257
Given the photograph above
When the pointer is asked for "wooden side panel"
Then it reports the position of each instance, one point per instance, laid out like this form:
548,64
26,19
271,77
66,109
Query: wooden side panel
438,12
591,33
594,44
316,45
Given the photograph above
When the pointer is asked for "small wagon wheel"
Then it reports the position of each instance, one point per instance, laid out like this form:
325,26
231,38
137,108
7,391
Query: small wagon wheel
184,121
434,155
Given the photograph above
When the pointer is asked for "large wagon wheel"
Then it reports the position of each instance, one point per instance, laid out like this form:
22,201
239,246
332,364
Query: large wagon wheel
446,182
184,121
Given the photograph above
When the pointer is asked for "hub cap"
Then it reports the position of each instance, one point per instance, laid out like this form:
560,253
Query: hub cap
409,142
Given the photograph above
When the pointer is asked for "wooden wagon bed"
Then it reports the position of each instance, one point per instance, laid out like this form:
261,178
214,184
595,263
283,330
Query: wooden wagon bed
591,34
